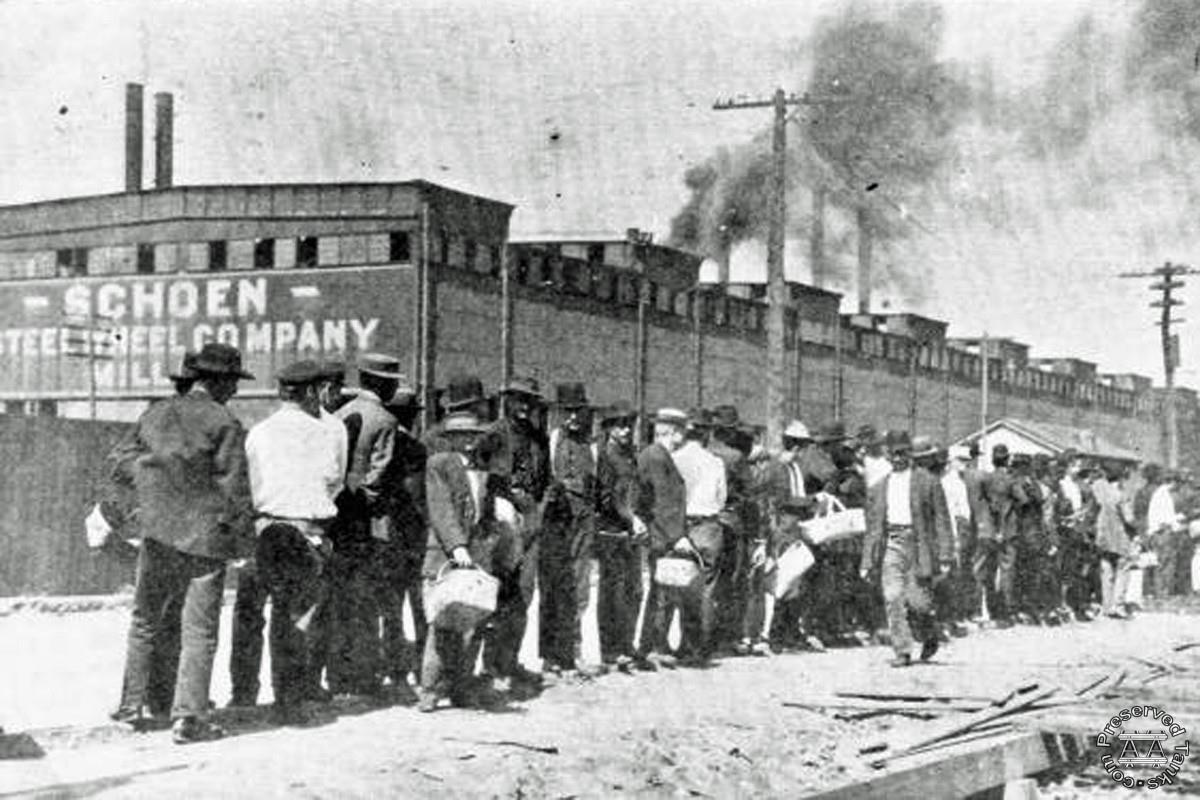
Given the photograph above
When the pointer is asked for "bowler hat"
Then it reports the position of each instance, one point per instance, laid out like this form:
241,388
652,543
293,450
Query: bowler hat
300,373
525,386
671,416
187,368
831,432
725,417
571,395
796,430
1000,452
220,359
463,390
923,447
380,365
620,410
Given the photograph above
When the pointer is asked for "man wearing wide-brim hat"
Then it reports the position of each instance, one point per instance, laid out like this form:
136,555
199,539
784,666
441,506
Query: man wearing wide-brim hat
568,530
297,464
522,472
193,498
366,537
909,538
462,508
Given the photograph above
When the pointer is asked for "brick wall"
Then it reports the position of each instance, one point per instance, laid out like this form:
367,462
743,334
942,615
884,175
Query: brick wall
559,337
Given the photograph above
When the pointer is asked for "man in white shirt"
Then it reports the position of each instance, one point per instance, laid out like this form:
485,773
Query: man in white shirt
1164,527
908,539
704,480
297,465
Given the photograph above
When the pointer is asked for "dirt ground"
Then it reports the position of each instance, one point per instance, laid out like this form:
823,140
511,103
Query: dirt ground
721,732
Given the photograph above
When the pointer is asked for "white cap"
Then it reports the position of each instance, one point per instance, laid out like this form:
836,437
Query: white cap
959,453
796,430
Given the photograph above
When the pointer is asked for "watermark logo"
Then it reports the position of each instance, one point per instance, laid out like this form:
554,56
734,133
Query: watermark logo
1145,745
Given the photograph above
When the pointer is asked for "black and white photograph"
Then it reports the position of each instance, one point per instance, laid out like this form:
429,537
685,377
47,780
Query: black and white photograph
599,399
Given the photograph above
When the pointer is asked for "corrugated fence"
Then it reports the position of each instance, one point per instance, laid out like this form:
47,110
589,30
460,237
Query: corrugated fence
51,474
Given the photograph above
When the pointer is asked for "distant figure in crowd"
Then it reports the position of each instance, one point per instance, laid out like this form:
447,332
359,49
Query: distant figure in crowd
1114,537
194,504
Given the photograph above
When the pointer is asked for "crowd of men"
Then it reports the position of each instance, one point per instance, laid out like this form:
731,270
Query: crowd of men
337,510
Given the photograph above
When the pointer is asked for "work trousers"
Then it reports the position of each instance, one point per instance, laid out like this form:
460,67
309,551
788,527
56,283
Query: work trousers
907,597
394,576
353,652
448,661
732,582
516,567
564,580
1114,580
754,611
995,573
697,604
246,645
1074,567
620,597
172,583
1170,545
293,570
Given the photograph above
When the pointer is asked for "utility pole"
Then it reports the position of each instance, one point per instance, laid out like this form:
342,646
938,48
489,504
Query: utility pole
777,299
1169,279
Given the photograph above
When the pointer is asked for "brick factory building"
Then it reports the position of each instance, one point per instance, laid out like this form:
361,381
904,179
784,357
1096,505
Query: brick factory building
329,270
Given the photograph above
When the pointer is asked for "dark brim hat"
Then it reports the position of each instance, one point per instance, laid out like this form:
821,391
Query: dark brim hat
829,433
405,397
463,390
725,417
620,410
380,365
526,386
220,360
897,440
571,395
187,368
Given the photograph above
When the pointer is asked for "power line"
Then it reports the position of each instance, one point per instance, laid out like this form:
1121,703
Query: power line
1168,278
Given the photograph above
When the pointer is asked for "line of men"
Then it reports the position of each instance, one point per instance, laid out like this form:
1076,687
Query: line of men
340,514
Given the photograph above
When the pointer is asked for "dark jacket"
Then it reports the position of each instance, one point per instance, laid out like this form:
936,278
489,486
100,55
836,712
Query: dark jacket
523,467
1003,503
662,498
932,540
372,485
617,489
451,510
737,479
187,465
981,514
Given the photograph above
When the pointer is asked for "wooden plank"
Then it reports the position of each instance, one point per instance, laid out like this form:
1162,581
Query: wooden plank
973,720
957,771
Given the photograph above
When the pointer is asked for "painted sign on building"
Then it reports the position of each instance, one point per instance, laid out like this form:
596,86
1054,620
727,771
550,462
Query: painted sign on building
132,331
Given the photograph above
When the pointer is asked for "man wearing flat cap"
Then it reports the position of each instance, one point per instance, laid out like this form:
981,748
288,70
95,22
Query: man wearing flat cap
297,465
521,475
193,497
908,536
568,530
662,506
365,532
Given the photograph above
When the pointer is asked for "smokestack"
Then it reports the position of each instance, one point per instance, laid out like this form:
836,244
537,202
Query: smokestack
133,137
864,261
724,250
164,126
